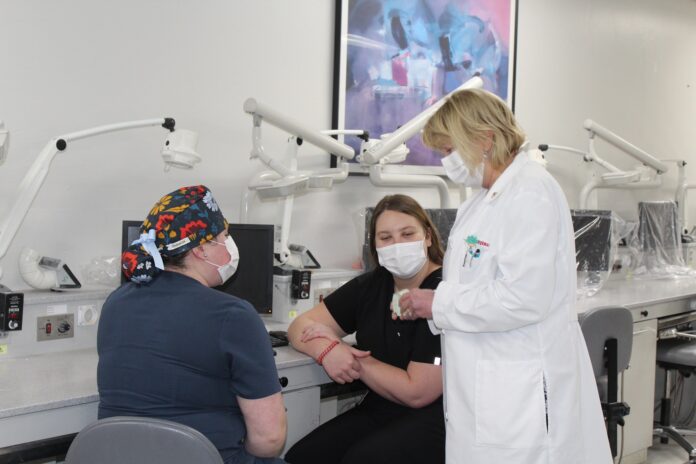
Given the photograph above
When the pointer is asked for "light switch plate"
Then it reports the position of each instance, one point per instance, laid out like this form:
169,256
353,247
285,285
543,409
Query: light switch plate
55,327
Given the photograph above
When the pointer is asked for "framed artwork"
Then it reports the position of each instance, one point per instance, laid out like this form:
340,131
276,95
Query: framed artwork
394,58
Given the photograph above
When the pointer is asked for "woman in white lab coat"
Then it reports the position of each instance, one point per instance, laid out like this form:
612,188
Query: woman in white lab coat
518,383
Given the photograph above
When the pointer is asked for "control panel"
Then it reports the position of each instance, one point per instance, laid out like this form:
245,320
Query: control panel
11,310
55,327
300,285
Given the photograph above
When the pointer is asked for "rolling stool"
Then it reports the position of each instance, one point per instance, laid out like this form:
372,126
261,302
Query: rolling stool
674,355
141,440
608,334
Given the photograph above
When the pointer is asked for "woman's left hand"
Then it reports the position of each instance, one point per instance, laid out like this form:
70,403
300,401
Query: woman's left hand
417,303
317,330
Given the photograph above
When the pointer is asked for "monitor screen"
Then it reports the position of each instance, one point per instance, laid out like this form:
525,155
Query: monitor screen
253,280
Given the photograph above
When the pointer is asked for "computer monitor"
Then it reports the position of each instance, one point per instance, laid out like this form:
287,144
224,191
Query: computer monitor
253,280
592,239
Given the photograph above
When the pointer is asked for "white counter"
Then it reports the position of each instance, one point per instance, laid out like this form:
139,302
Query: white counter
56,393
62,387
659,298
47,381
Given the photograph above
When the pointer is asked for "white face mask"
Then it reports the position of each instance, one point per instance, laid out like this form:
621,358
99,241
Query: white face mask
227,270
457,171
403,260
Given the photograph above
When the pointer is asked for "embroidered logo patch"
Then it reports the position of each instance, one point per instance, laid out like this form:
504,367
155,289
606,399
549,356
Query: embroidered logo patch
474,249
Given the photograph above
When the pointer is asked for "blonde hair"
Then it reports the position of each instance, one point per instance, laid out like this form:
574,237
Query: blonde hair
467,118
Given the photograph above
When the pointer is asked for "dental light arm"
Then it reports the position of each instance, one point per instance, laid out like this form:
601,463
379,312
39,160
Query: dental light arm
376,152
286,181
683,186
641,177
178,151
625,146
265,113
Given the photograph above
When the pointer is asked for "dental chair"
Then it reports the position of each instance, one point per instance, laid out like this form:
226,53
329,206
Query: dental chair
608,335
676,352
141,440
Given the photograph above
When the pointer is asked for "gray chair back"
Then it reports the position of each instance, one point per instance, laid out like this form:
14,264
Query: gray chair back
140,440
601,324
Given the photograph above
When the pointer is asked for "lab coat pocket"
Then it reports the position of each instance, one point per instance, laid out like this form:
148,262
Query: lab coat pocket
480,265
510,404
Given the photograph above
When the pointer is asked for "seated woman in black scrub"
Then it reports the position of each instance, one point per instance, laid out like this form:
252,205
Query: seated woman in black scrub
401,418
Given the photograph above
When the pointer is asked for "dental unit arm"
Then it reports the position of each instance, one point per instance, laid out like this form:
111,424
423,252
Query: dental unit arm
378,150
283,181
641,177
683,186
178,151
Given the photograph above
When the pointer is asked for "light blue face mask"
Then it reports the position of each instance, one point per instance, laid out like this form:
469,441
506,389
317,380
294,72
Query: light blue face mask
458,173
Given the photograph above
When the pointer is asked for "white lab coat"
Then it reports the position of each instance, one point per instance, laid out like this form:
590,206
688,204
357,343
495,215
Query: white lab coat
513,352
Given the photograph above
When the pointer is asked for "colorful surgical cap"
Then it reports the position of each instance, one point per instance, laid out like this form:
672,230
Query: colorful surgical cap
179,222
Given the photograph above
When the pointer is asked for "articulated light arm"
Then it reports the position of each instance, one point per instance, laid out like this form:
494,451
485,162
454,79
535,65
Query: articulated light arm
174,154
289,125
284,180
379,178
259,152
378,151
625,146
638,178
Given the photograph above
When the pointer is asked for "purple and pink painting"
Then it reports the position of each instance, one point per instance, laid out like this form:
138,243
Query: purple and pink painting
401,56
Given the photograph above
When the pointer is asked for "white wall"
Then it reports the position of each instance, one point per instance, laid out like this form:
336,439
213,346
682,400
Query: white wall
72,64
626,64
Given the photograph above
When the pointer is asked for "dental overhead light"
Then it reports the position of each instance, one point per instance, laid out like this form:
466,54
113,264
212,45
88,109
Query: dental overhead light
4,142
642,176
179,151
283,181
286,180
389,149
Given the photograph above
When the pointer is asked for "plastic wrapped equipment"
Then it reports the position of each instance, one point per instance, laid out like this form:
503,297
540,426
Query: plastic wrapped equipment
596,245
658,242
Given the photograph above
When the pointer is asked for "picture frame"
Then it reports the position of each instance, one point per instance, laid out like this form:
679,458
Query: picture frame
394,58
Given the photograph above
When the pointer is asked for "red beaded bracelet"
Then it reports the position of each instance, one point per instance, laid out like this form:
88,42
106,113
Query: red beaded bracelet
331,346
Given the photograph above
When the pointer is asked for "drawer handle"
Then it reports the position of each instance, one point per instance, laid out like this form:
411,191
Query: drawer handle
283,381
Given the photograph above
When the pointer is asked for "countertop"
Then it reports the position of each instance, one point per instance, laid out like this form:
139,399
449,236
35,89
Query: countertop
637,293
49,381
68,378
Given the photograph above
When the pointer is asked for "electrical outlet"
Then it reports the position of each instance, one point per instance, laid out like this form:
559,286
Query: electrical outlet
87,315
55,327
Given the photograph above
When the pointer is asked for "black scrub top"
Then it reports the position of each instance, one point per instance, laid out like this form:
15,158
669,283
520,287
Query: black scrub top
362,306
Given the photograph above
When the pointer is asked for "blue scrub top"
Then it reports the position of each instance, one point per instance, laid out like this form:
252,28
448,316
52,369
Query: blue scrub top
175,349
